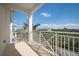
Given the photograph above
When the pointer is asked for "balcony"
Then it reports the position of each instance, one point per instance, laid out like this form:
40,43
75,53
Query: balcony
42,43
56,43
46,43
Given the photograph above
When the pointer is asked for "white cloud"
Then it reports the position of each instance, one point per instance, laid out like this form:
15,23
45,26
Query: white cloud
55,26
43,26
72,26
46,14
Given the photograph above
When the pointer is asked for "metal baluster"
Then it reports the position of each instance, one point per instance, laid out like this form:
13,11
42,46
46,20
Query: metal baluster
64,45
53,43
39,37
56,42
61,45
68,45
78,46
73,46
58,46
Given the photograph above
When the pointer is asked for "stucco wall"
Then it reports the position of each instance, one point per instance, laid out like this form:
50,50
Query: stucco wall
4,28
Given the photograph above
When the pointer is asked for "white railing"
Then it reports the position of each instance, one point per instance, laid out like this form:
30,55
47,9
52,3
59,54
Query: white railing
62,43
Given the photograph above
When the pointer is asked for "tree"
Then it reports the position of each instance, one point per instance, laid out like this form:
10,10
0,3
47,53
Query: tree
35,26
25,26
65,28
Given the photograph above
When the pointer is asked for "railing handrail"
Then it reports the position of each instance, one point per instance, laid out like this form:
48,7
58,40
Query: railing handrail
61,32
68,36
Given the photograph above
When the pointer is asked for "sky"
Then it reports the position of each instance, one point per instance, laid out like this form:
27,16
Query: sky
53,15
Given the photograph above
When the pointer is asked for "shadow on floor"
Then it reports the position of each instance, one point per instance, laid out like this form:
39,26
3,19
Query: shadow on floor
10,50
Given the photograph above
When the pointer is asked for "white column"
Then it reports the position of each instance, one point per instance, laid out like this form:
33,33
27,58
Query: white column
30,32
11,32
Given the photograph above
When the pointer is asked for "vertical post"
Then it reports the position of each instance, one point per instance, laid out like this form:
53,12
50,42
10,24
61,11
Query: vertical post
78,46
39,37
56,42
53,43
73,45
61,45
30,32
64,45
68,46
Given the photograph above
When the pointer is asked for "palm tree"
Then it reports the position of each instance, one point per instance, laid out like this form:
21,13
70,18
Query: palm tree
23,32
25,26
34,26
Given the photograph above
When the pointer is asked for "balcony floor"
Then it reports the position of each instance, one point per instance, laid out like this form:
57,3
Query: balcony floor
19,49
10,50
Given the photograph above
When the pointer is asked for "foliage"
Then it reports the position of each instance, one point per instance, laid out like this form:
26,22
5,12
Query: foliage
34,26
25,26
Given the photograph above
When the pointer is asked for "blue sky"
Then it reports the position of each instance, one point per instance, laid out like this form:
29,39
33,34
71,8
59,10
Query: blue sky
57,14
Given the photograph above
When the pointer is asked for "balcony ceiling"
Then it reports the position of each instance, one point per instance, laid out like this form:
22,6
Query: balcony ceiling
27,7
